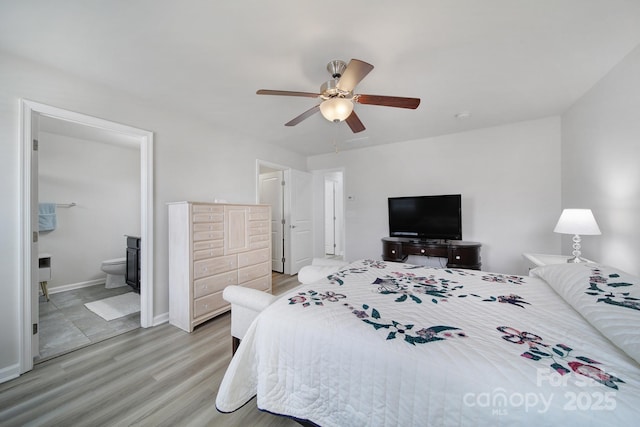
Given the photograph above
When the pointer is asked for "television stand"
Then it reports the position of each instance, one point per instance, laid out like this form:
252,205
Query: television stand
459,254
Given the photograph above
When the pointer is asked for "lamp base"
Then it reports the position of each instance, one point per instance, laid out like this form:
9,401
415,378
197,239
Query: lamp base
576,250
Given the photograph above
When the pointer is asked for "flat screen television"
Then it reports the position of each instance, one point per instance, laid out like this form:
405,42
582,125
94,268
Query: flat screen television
426,217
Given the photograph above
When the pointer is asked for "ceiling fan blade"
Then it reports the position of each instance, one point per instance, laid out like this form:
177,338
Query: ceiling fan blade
287,93
388,101
310,112
354,122
353,74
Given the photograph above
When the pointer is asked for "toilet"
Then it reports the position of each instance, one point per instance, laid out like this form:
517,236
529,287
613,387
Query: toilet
115,269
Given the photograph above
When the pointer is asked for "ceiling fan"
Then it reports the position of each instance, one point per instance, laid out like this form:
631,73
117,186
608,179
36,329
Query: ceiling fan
337,97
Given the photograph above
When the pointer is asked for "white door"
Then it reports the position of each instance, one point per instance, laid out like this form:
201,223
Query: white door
271,193
338,207
329,218
301,221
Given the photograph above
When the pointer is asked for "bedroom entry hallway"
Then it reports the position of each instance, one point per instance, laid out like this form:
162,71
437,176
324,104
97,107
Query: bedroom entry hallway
70,274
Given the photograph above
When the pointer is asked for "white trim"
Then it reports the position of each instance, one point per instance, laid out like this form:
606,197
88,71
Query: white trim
9,373
29,108
24,309
74,286
160,319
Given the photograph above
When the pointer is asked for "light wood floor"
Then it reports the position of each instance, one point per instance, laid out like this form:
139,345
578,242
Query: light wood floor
159,376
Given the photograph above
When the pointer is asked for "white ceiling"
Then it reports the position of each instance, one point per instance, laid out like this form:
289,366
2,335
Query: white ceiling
502,60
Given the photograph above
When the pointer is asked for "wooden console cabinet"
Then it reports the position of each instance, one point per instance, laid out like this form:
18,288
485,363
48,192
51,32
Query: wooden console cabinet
459,254
212,246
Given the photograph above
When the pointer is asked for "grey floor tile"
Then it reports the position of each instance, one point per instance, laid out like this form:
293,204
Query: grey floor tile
66,324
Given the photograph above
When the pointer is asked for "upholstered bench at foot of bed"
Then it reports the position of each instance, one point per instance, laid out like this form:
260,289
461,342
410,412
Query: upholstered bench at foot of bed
246,304
319,269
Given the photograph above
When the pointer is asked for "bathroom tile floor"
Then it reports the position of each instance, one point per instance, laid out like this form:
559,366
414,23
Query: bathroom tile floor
66,324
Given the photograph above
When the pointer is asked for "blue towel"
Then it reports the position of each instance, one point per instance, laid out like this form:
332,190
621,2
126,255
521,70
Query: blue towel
47,216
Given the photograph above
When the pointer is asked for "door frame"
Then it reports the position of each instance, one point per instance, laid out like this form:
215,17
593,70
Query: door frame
286,173
319,226
28,110
338,205
277,266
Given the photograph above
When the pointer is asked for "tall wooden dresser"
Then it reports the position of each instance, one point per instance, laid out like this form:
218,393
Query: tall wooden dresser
211,246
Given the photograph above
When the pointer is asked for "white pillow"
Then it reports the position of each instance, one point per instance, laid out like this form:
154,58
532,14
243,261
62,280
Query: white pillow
608,298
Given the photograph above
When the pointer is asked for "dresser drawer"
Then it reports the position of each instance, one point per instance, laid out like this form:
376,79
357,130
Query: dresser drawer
201,208
211,244
434,251
469,256
208,226
207,235
258,231
247,274
256,214
392,251
207,253
217,283
254,257
208,304
209,267
261,284
208,217
259,238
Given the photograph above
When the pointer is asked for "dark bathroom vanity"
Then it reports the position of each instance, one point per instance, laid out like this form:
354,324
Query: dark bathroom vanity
132,274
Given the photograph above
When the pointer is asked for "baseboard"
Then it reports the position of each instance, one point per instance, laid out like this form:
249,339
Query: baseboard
78,285
9,373
160,319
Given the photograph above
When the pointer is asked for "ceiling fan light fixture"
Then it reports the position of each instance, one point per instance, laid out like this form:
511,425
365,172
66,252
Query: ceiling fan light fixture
336,109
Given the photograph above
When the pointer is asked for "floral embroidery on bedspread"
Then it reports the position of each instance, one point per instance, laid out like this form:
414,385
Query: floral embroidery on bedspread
503,278
368,263
316,298
411,288
411,334
621,299
337,277
374,264
558,355
372,317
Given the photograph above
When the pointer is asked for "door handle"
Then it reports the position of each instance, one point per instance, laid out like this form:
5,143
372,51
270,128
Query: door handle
292,226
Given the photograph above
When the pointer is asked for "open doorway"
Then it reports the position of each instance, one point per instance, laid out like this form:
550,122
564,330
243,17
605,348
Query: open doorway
292,216
32,114
89,185
333,215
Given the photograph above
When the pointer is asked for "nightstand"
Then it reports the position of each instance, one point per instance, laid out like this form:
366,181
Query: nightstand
538,260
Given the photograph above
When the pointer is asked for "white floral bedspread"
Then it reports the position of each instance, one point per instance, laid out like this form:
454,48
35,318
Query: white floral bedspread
389,344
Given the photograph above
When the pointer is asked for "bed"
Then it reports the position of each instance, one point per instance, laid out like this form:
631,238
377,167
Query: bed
390,344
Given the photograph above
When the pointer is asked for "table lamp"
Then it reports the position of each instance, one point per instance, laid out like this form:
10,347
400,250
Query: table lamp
577,222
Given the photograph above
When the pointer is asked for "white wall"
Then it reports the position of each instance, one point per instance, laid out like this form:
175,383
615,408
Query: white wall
601,164
193,160
105,184
509,178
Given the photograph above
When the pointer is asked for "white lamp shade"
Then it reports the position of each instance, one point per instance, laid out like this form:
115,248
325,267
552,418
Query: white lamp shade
577,221
336,109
